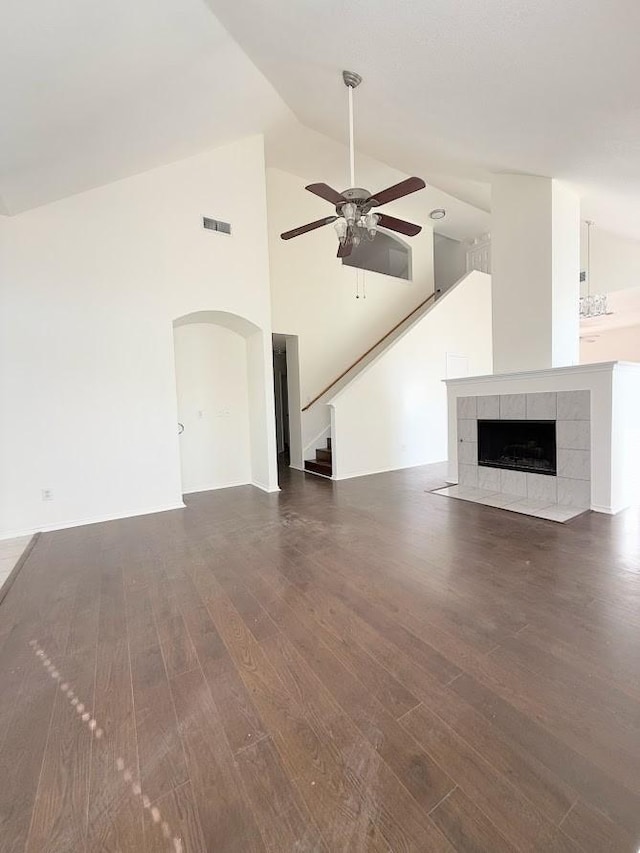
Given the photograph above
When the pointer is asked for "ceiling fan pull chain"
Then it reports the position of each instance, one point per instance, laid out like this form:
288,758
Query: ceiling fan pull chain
364,285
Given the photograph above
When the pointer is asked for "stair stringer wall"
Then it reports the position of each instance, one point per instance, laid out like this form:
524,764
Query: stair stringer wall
393,413
316,421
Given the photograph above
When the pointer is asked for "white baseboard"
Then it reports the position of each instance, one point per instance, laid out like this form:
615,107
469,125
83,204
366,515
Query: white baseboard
388,470
82,522
216,486
260,486
264,488
608,510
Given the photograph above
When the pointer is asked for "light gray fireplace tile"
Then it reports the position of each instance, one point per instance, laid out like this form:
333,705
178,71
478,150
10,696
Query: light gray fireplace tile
499,500
467,475
467,429
513,482
489,408
513,407
573,435
465,493
467,407
574,492
574,405
560,513
489,478
530,506
574,464
542,488
468,452
542,407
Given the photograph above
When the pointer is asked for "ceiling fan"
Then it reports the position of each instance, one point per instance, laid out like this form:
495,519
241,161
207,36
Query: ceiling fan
355,217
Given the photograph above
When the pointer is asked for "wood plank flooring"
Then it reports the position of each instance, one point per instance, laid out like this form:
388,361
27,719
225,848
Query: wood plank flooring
355,666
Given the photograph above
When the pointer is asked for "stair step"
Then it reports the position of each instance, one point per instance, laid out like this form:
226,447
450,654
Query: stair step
323,455
318,467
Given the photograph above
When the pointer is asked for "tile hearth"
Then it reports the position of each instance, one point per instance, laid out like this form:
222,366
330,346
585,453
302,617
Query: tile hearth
557,497
538,507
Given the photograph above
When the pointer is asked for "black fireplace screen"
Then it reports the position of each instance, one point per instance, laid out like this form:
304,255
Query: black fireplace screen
518,445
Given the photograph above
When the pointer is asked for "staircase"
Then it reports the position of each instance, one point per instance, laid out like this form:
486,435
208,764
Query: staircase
322,464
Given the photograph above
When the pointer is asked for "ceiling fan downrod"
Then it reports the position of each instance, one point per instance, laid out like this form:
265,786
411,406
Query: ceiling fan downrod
354,215
351,80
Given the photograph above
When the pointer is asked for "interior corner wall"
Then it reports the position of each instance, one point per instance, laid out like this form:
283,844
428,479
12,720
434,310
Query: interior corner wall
314,295
90,287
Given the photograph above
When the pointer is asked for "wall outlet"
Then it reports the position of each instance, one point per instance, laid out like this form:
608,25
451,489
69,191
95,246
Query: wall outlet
47,495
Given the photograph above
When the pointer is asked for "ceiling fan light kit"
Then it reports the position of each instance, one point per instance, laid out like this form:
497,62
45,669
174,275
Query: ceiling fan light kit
355,219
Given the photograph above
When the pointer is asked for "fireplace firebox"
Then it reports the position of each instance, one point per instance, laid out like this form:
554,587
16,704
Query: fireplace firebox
518,445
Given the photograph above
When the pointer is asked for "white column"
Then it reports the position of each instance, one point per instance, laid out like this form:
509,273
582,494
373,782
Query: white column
535,268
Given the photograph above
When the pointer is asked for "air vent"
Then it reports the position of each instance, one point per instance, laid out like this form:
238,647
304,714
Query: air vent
216,225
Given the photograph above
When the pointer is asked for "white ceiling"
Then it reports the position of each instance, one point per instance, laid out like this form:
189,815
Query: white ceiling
453,90
457,89
91,92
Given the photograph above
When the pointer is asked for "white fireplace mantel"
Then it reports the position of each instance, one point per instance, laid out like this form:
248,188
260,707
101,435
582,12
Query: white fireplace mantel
615,421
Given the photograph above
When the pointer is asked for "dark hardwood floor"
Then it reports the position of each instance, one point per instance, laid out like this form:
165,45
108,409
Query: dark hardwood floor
343,666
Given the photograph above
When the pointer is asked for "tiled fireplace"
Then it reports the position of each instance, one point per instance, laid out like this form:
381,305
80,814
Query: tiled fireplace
502,428
536,448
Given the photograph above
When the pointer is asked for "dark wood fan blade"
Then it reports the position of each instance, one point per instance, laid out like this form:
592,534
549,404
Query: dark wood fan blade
411,185
399,225
310,226
345,249
326,192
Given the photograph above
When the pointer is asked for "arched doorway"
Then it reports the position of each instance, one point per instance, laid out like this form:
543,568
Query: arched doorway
224,402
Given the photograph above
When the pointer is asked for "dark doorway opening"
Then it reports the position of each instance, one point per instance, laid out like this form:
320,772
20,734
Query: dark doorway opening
281,397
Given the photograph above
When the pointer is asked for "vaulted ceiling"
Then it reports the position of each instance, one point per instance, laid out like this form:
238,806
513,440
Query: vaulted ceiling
91,92
453,89
458,89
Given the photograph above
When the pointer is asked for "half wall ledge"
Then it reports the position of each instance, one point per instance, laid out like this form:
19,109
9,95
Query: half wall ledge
597,414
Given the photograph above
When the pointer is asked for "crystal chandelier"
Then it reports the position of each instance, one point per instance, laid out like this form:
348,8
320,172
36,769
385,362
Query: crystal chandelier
592,305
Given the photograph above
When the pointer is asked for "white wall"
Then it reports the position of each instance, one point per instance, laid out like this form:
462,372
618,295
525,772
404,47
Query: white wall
565,275
611,345
625,462
394,414
213,406
615,261
449,261
313,294
90,287
535,244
